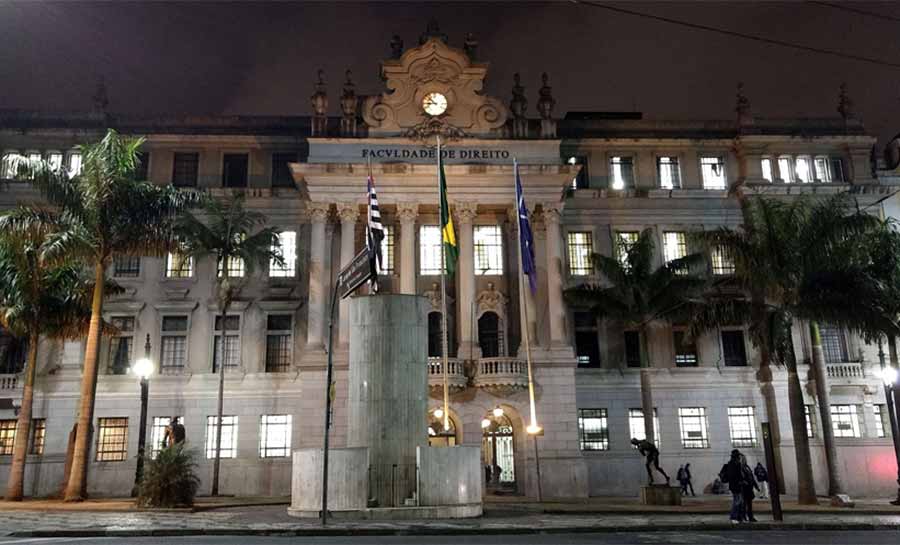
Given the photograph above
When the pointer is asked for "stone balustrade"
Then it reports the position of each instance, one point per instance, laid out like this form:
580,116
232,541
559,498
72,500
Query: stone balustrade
502,372
456,373
9,382
845,370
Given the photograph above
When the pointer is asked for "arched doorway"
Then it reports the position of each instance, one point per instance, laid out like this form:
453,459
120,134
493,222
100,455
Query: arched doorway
489,335
435,342
437,435
498,452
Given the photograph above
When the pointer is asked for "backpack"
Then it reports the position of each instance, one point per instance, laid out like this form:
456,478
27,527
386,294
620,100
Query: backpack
723,473
681,475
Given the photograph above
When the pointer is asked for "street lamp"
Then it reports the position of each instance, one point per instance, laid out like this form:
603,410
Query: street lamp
889,377
143,368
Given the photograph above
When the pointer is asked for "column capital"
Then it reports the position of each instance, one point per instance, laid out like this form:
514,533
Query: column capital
407,211
348,212
318,211
551,212
466,211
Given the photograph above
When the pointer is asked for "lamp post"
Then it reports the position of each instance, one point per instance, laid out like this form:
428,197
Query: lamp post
143,368
889,377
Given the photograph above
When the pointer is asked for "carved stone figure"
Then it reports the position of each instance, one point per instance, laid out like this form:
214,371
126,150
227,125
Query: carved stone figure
491,300
546,102
396,47
349,105
319,103
649,450
519,103
432,30
471,46
845,105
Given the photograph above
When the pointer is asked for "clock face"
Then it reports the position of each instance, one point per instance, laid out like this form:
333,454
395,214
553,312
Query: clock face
434,104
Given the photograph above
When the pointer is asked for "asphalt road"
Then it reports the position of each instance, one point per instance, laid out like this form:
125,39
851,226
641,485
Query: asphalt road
796,537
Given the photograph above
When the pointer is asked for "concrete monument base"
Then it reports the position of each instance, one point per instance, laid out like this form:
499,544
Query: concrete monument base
660,494
398,513
347,486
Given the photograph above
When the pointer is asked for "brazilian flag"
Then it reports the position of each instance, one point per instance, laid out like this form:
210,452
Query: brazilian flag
448,234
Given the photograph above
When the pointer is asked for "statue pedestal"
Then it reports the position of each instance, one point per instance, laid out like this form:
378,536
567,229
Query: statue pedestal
660,494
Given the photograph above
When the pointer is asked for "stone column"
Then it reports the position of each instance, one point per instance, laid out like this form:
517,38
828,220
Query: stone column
520,282
556,313
349,213
407,212
466,212
318,215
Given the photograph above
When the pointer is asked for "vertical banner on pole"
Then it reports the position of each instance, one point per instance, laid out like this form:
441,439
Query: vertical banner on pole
774,491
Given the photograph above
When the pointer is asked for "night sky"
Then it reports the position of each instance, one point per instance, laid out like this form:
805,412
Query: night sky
259,58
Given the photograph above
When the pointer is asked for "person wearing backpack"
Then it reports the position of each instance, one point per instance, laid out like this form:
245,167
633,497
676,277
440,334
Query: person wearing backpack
682,480
748,484
732,473
762,477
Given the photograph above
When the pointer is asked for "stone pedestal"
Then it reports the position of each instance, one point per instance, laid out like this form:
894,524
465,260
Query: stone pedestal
346,481
660,494
450,476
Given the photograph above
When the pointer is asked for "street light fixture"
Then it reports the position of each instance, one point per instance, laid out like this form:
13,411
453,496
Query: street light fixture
889,377
498,411
143,368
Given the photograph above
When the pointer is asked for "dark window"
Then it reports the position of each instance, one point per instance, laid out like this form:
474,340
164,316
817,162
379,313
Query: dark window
142,168
685,352
184,169
121,346
126,266
281,172
434,335
489,335
581,180
587,345
632,349
733,351
12,353
278,342
234,170
833,344
232,343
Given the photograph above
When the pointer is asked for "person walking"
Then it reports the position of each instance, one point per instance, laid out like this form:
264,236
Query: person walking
682,480
748,484
762,477
731,473
688,480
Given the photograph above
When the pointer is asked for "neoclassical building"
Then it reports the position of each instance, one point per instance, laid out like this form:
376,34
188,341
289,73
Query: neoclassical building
592,181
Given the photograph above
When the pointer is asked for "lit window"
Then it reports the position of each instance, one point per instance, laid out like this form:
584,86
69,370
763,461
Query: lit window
34,156
429,250
158,433
55,160
581,248
593,432
621,172
75,164
829,170
636,425
581,180
274,435
625,240
387,250
179,265
713,171
8,168
279,344
844,421
685,351
235,268
722,264
38,436
785,170
185,169
126,266
232,343
112,439
834,345
742,424
7,437
879,420
488,250
674,245
669,175
803,169
174,344
767,169
229,437
694,427
287,247
121,345
810,423
734,353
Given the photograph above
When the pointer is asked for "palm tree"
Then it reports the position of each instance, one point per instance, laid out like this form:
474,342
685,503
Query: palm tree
636,295
107,213
37,298
237,240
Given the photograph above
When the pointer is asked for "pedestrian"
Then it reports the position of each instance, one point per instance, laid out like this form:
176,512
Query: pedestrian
748,484
682,480
762,477
688,480
731,473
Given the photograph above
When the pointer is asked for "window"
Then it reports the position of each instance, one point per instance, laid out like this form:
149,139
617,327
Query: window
712,170
587,345
142,169
232,343
829,170
112,439
810,422
636,425
674,245
387,250
7,437
234,169
235,268
581,180
429,250
34,156
621,172
834,345
229,437
287,246
685,351
879,420
279,345
281,172
694,427
13,352
75,164
733,349
722,264
274,435
185,169
126,266
158,433
38,435
593,432
785,170
490,338
668,172
173,354
844,421
632,349
55,160
8,168
488,250
766,165
803,169
179,265
581,247
742,424
121,345
625,240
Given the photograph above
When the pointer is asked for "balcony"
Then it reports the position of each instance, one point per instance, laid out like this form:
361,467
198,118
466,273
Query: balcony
456,374
848,370
8,383
501,374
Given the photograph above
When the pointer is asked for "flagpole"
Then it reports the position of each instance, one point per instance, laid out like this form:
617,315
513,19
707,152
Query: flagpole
444,342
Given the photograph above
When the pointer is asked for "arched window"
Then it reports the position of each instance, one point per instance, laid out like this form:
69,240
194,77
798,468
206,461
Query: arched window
434,335
489,335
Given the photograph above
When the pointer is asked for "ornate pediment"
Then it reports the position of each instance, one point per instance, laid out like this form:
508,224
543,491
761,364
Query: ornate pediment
434,67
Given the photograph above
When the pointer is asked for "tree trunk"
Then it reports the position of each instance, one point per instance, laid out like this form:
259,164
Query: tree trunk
75,489
646,388
764,376
16,486
892,351
835,480
216,460
806,486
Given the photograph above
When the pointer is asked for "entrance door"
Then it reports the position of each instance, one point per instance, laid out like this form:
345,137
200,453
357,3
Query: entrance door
498,453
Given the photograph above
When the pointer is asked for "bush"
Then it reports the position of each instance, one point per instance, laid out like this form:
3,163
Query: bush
169,480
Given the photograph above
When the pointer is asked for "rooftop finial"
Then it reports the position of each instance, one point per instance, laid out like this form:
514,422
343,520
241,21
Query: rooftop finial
319,103
845,104
396,46
546,102
471,46
742,106
432,30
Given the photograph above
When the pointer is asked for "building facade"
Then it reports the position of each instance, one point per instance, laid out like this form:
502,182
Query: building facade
592,182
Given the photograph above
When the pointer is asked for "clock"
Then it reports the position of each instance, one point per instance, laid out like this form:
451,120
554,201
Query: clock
434,104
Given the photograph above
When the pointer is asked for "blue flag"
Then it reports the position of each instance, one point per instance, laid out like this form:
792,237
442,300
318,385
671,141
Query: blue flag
526,240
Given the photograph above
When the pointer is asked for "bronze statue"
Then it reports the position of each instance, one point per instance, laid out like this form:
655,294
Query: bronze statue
649,450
